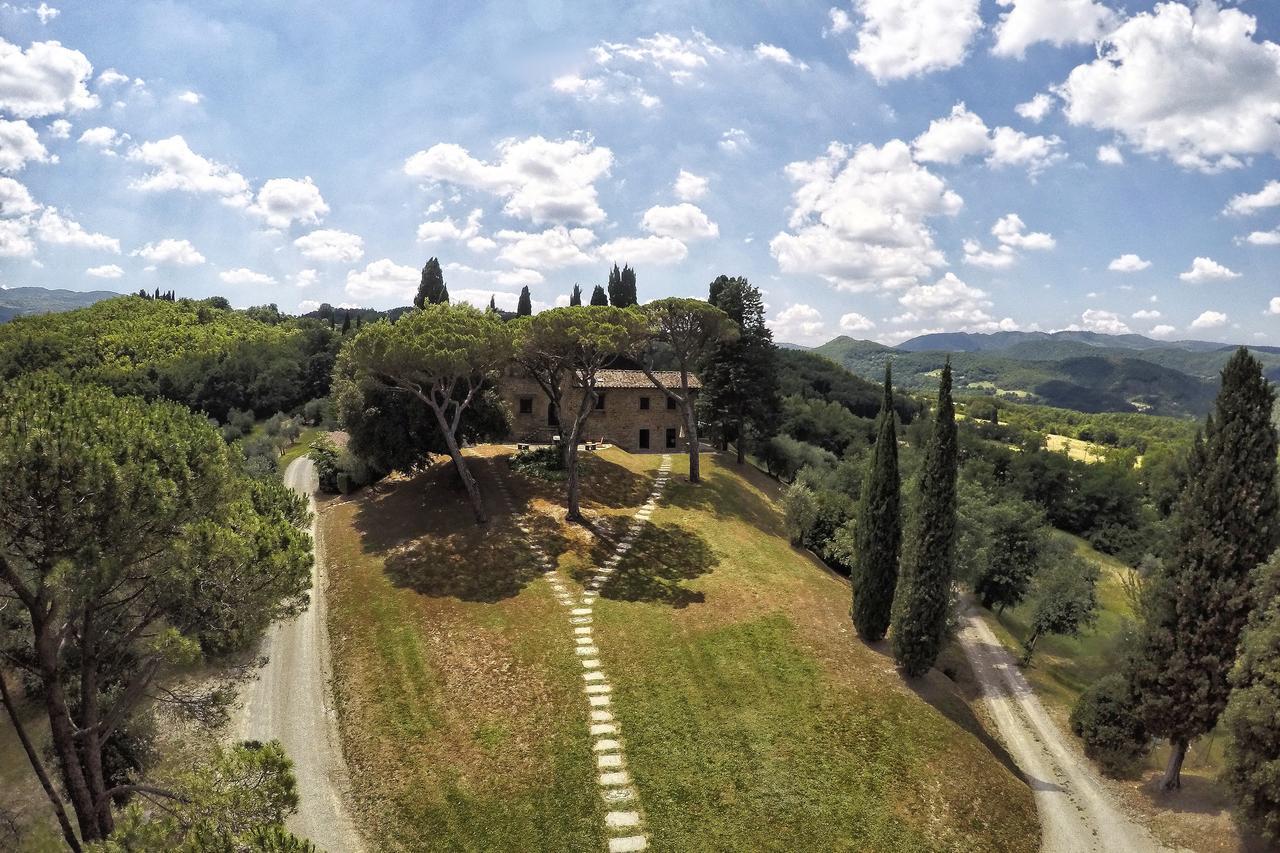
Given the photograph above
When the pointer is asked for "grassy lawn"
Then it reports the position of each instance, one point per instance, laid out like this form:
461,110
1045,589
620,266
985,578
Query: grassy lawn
753,718
301,446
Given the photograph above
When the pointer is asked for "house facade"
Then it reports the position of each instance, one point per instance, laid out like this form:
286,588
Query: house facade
630,411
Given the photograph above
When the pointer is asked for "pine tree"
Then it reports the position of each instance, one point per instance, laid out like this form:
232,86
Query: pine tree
740,380
879,529
1195,608
524,307
924,590
1253,748
575,298
431,291
599,297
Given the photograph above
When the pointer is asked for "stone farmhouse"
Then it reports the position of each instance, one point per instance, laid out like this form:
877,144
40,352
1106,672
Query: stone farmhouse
630,412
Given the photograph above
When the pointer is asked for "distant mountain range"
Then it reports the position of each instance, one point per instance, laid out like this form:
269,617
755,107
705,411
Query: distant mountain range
21,301
1086,371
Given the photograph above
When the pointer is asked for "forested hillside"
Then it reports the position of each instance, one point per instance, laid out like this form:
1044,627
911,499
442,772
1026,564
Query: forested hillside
22,301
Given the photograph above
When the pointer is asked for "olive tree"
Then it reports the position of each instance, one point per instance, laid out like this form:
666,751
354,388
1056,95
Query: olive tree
131,543
571,346
690,330
443,356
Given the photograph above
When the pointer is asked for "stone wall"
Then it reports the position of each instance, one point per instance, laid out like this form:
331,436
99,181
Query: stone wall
620,422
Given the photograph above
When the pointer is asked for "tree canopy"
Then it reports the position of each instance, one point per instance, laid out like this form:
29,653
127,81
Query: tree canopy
622,287
879,529
431,290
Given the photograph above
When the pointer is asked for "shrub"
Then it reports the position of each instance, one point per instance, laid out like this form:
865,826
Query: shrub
800,506
545,463
1105,718
784,457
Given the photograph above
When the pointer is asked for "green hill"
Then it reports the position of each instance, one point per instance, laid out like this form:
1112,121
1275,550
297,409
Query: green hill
24,301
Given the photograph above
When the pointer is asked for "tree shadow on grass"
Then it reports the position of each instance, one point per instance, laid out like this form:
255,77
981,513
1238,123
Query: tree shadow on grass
603,483
425,530
654,570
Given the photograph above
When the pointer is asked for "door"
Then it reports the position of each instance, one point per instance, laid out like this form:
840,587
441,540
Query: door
672,433
644,439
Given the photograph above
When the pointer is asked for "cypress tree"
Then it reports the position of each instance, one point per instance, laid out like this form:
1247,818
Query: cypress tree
346,322
493,303
627,289
1195,608
615,287
431,290
1253,748
575,298
598,296
924,590
740,380
879,529
524,307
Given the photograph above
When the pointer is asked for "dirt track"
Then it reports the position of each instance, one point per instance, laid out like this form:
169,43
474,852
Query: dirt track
1077,812
290,702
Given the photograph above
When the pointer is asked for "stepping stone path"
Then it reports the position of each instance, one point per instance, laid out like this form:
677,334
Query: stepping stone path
623,821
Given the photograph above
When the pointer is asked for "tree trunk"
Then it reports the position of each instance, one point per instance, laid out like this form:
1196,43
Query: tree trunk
1031,648
62,733
742,441
38,766
691,424
1173,771
571,465
459,463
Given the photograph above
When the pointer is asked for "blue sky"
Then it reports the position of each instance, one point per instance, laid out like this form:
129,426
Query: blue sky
879,168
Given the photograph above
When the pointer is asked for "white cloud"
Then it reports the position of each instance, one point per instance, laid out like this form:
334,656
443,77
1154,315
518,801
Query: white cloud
1036,109
1146,314
15,239
689,187
384,281
964,134
20,145
904,38
105,138
244,275
798,323
57,230
306,306
1110,155
189,97
283,201
859,217
1273,307
854,322
1011,231
45,79
105,271
733,140
59,128
1059,22
305,278
433,231
610,88
44,11
178,168
1246,204
840,22
330,246
682,221
780,55
1191,84
1128,263
111,77
1209,320
644,250
677,57
1162,331
518,277
951,304
542,181
170,251
15,199
550,249
1103,322
1002,258
1207,269
1262,238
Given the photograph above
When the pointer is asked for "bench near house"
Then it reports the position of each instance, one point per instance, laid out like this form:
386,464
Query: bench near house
631,412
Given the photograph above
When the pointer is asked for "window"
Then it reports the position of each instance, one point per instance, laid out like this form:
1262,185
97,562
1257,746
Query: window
671,404
644,404
600,403
671,436
644,439
526,405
